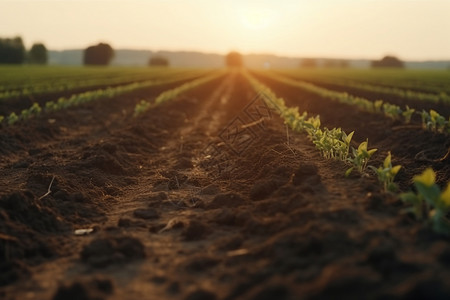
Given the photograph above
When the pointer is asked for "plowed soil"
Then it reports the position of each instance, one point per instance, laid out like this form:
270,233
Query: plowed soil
200,199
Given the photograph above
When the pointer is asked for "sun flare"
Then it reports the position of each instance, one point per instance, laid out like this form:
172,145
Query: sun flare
256,18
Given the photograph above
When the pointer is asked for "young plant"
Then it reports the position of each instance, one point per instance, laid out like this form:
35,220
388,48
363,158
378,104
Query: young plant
386,173
392,111
141,107
12,118
35,109
425,117
407,114
429,201
434,121
438,122
25,114
360,158
377,105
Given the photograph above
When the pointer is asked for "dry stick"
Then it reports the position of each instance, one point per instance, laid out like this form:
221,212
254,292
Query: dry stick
446,156
287,134
253,123
49,189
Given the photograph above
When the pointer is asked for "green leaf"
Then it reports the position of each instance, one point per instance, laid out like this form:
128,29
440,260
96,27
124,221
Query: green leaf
445,196
395,169
362,146
387,160
349,137
430,193
427,178
409,197
371,152
348,172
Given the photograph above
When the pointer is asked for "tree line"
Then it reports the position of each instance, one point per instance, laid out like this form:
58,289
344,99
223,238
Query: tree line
12,51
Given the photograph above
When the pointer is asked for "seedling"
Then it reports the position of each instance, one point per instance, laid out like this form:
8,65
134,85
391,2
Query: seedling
377,105
25,114
429,201
360,158
35,109
407,114
434,121
386,173
141,107
12,118
392,111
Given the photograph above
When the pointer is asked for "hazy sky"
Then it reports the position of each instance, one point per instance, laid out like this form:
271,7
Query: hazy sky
411,29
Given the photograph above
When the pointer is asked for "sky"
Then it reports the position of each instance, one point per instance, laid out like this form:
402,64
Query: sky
369,29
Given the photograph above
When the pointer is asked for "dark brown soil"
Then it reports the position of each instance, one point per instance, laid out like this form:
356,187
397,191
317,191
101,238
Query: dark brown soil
186,203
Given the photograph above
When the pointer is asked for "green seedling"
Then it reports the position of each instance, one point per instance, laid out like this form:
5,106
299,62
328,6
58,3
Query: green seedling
25,114
360,158
434,121
425,117
386,173
377,105
407,114
333,143
35,109
429,201
50,106
392,111
141,107
12,118
1,119
438,122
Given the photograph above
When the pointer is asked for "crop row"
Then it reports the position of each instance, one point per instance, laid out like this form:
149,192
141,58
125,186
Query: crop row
145,105
426,81
431,120
332,143
407,94
67,84
429,203
77,99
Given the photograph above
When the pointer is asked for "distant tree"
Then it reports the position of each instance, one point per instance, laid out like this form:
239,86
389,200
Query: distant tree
335,63
308,63
12,51
388,62
38,54
158,61
234,59
100,54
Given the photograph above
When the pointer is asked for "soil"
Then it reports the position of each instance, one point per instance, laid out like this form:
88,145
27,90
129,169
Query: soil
197,199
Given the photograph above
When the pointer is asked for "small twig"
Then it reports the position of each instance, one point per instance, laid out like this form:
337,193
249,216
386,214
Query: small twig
49,189
287,134
446,156
253,123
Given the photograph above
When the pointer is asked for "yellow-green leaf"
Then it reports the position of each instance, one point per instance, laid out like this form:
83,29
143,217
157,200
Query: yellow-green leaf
395,169
371,152
434,114
362,146
387,160
427,178
445,196
349,137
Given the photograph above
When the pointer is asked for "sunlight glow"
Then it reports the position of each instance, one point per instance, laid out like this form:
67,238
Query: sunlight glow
256,18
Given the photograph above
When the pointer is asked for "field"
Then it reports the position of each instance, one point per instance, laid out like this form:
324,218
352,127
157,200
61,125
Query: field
142,183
